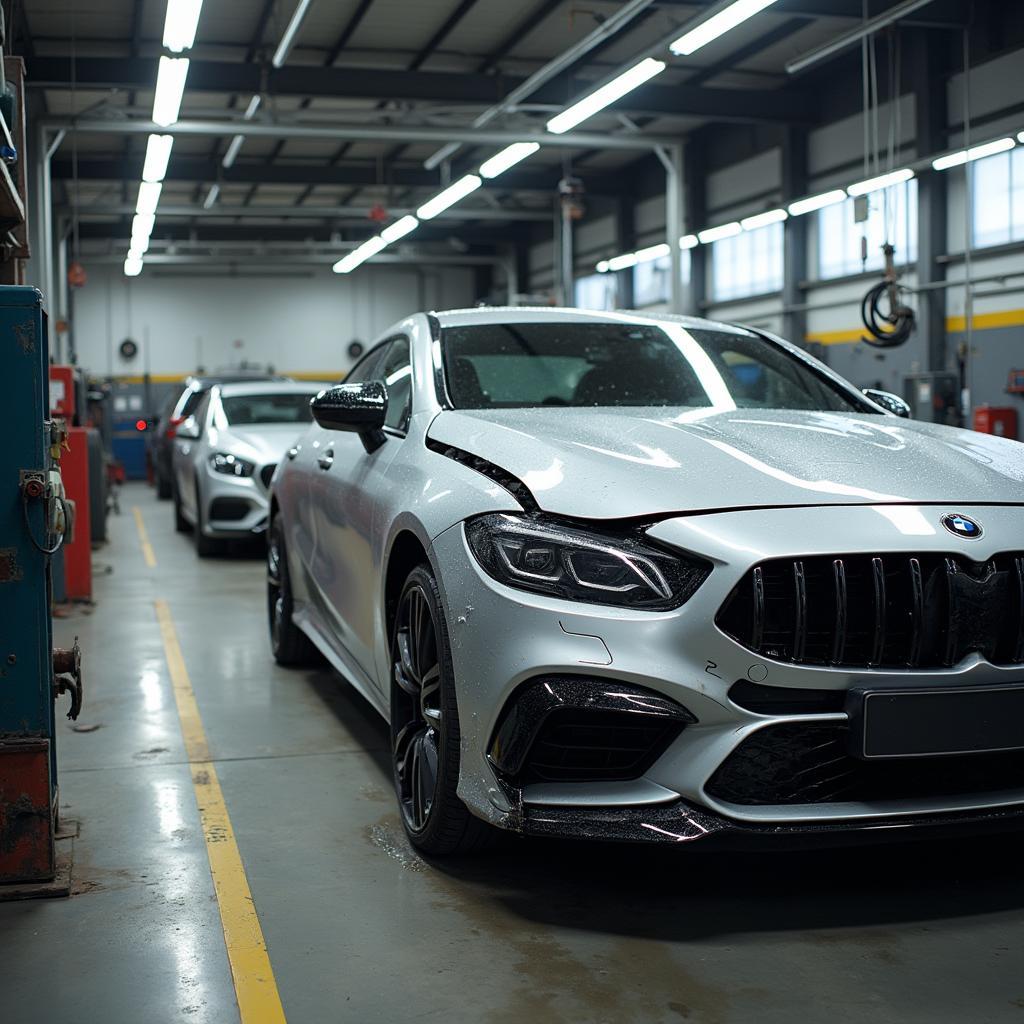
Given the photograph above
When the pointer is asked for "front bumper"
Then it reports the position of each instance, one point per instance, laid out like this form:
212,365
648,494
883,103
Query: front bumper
234,507
502,638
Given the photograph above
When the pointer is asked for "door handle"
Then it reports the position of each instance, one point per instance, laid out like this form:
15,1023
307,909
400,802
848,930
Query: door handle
327,459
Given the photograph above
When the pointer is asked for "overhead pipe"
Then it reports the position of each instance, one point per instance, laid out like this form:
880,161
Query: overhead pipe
848,39
606,29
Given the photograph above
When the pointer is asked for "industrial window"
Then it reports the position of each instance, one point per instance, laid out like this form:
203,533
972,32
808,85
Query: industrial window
652,281
892,215
749,263
596,291
998,198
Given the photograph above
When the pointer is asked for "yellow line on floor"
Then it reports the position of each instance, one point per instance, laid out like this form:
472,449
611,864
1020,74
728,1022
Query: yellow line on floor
147,548
255,987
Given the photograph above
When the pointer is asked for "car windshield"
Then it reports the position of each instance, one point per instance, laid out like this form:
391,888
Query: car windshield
253,410
523,365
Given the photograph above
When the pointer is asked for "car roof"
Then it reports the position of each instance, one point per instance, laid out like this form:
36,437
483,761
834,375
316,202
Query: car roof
284,387
562,314
231,377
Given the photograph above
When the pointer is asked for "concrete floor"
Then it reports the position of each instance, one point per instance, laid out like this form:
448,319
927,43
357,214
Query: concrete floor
359,929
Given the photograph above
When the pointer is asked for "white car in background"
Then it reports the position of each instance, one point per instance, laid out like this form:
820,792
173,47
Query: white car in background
225,454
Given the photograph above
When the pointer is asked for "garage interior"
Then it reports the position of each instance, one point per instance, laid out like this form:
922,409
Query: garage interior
214,838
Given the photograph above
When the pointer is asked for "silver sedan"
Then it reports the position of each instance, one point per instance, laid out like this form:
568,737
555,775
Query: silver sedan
225,454
656,578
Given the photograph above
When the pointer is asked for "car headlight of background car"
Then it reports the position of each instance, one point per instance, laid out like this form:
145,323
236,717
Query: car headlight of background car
582,564
231,465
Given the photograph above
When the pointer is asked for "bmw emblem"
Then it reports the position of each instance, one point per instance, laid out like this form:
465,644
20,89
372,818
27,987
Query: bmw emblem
961,526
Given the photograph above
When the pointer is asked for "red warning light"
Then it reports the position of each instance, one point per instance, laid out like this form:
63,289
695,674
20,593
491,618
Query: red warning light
140,424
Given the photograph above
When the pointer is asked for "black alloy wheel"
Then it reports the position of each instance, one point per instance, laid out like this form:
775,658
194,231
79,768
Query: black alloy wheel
425,726
288,643
181,524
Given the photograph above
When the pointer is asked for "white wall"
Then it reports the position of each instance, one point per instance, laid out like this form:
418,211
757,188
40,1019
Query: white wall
300,324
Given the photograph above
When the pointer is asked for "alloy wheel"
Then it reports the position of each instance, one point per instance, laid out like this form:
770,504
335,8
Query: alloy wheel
416,708
275,589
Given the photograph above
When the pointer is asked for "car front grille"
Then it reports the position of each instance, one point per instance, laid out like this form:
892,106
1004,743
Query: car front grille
809,763
582,745
266,473
898,611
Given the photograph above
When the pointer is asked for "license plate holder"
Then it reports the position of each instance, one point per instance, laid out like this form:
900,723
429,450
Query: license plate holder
932,721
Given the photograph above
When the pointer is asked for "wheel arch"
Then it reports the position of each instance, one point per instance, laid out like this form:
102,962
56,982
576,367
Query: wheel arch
407,550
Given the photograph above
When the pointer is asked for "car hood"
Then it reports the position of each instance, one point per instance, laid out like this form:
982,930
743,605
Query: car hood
623,463
262,444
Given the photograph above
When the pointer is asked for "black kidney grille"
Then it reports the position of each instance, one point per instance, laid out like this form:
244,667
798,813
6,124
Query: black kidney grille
863,611
267,472
808,763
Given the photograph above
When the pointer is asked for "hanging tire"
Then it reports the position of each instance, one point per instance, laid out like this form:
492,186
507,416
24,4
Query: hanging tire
425,726
290,646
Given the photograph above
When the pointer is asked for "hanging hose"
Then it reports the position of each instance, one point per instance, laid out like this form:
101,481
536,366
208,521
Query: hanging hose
888,319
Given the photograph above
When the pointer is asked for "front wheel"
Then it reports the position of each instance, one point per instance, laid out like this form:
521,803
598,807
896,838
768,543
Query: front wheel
425,726
289,644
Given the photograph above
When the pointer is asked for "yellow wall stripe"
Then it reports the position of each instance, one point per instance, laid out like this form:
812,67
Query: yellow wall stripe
954,325
147,548
179,378
255,987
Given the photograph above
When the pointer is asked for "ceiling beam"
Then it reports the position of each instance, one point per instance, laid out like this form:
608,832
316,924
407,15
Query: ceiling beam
780,105
333,214
362,175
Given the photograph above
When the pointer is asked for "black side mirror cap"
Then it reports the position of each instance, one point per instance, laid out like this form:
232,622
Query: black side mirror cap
888,401
358,408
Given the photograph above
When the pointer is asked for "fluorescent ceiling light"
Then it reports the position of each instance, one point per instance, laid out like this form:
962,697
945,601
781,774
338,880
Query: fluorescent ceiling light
862,188
133,266
170,87
211,196
283,47
254,105
180,24
232,151
723,231
689,242
603,267
1020,136
369,248
149,196
761,220
944,163
718,24
819,202
158,152
508,157
449,197
623,262
142,228
608,93
399,229
653,252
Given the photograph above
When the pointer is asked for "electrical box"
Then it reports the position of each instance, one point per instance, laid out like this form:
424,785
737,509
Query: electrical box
933,397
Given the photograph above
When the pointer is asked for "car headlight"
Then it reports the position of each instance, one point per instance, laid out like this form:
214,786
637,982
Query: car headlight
583,564
231,465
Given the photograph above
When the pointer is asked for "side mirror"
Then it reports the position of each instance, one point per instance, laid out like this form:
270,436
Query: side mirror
188,430
888,401
359,408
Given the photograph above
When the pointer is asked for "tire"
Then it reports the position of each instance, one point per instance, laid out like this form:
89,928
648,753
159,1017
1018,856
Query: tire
290,646
206,547
181,524
425,727
163,486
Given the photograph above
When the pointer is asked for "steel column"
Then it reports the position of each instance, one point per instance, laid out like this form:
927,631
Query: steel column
794,183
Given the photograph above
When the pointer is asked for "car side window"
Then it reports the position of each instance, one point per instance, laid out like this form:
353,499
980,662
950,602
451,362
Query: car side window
368,368
396,372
